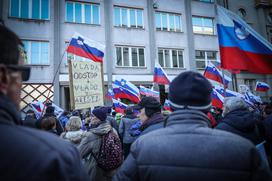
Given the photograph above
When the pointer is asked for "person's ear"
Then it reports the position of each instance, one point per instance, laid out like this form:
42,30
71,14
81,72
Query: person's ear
4,79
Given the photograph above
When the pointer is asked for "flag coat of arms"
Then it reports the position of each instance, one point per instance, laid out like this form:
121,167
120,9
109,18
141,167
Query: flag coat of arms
84,47
241,47
212,73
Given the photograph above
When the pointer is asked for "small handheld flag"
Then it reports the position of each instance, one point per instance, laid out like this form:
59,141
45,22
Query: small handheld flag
160,77
262,87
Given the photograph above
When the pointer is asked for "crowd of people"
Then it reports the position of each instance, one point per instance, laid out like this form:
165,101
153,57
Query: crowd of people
194,141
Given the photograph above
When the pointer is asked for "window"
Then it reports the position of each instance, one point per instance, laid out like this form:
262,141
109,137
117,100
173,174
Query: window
168,21
37,52
29,9
202,58
128,17
77,12
170,58
202,25
130,56
251,83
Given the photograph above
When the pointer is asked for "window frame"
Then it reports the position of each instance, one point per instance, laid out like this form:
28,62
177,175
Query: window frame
251,84
206,59
29,52
168,14
128,10
202,25
171,57
130,56
83,17
30,5
210,1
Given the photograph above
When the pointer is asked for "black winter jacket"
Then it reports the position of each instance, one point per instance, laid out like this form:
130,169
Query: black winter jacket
243,123
29,154
186,149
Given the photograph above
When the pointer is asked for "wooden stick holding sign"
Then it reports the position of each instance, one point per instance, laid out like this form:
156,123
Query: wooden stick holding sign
86,84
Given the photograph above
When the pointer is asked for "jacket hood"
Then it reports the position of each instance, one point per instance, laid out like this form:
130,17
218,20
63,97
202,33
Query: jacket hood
102,129
241,119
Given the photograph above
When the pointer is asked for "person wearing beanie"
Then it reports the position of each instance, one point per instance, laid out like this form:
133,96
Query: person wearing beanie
150,115
90,144
187,148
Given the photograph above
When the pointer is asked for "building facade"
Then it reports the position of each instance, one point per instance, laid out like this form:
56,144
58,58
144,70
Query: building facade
179,34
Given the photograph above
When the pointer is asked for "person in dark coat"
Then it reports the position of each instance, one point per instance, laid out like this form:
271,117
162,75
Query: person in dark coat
28,154
186,148
239,120
30,119
125,124
150,115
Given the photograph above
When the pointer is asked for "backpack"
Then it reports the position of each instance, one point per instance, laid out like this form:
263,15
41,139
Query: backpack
110,154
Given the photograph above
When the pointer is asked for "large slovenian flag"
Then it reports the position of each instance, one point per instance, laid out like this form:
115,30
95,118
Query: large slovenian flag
119,106
86,48
217,99
262,87
160,77
212,73
148,92
241,47
125,89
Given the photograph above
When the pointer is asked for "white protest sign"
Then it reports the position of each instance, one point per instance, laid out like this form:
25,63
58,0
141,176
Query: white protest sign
86,85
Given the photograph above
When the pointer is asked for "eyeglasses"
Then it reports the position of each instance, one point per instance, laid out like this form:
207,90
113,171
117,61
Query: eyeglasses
20,68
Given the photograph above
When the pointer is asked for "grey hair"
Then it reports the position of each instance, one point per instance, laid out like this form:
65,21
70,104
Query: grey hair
233,103
74,124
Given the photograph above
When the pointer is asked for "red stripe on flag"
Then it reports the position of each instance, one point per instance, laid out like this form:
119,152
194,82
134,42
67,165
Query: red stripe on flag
80,52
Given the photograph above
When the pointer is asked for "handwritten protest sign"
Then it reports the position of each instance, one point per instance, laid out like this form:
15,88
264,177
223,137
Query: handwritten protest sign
86,85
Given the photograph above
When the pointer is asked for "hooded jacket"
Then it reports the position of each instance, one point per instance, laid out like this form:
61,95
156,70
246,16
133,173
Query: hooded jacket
89,145
73,136
243,123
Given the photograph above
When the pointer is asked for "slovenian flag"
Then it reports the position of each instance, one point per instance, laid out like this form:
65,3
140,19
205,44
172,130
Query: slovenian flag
110,94
166,105
86,48
160,77
38,107
262,87
227,92
212,73
148,92
241,47
119,106
217,99
125,89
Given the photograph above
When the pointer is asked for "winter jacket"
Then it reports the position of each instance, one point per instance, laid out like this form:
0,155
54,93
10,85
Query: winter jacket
187,149
31,154
112,122
30,122
243,123
74,137
156,121
125,125
91,143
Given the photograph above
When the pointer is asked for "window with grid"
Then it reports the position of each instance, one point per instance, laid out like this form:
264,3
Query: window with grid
168,21
86,13
203,57
130,56
203,25
251,83
37,52
29,9
128,17
170,58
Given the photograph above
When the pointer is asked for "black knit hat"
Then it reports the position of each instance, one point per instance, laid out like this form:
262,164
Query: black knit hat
190,90
100,113
150,104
